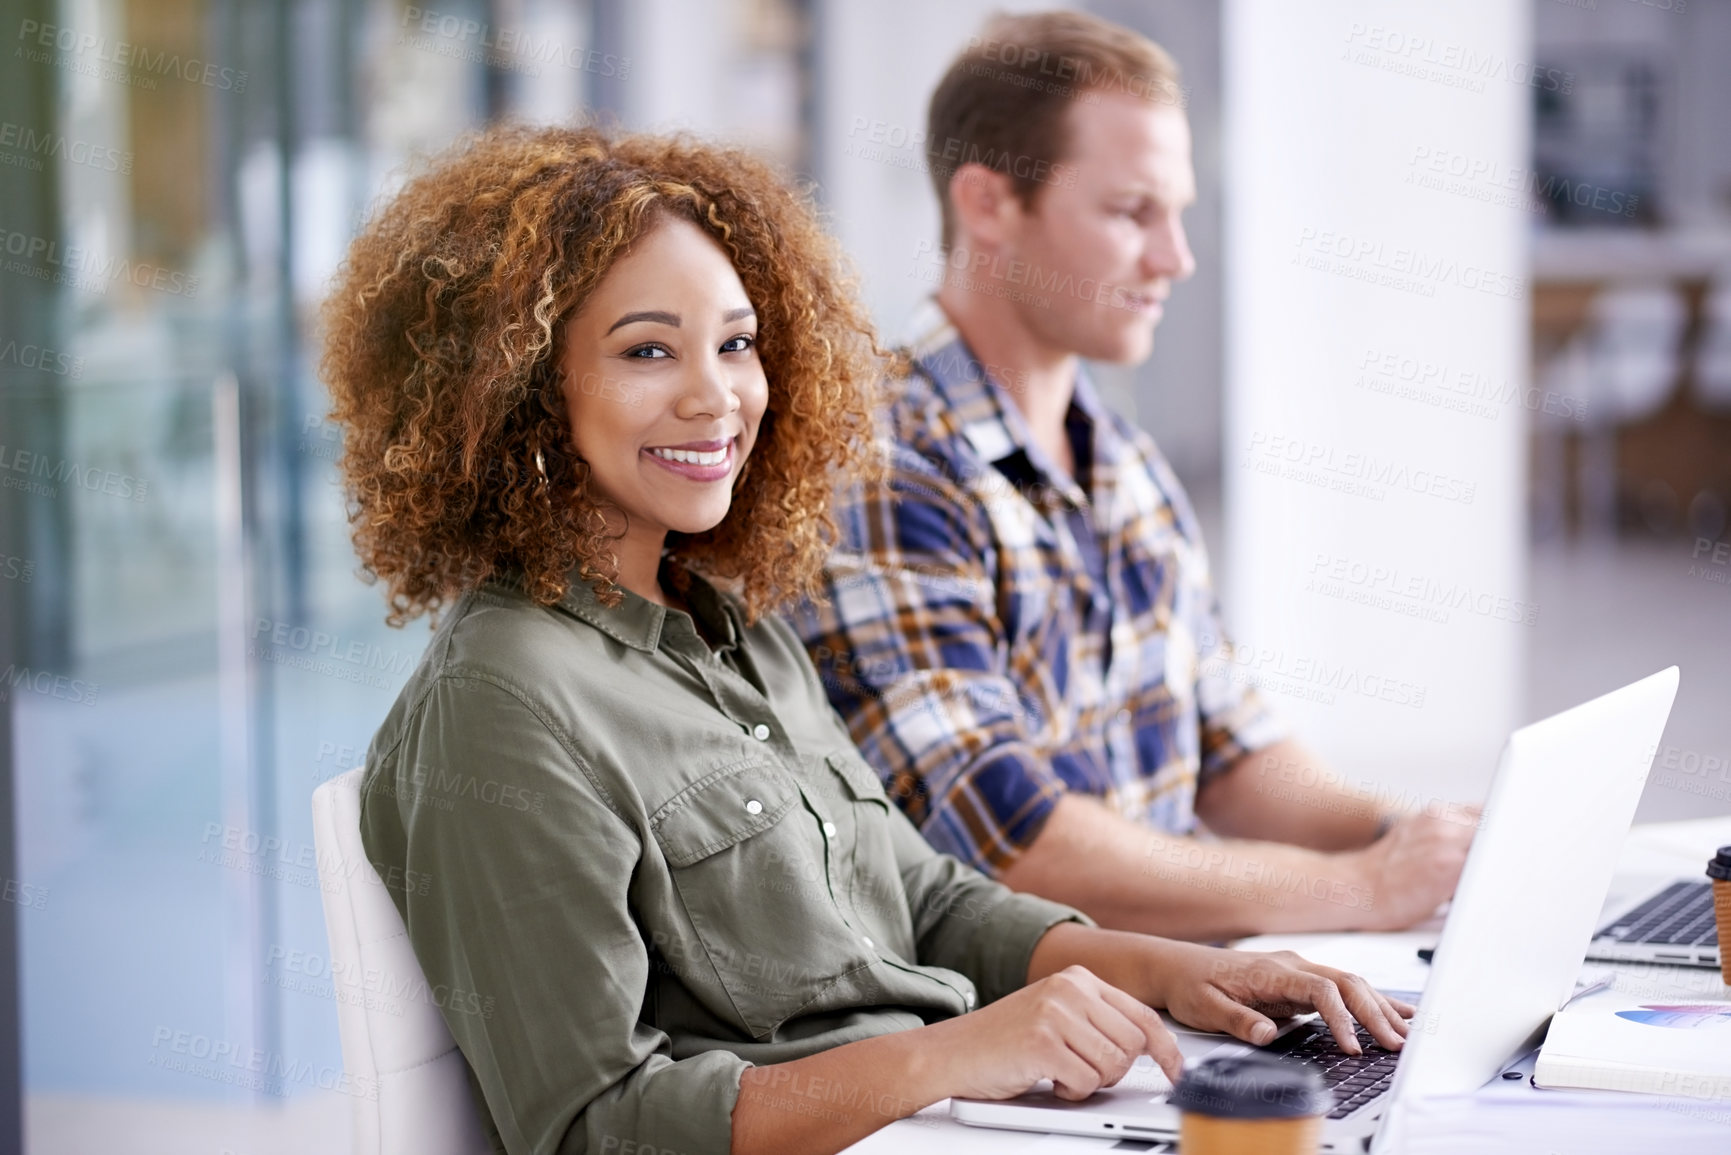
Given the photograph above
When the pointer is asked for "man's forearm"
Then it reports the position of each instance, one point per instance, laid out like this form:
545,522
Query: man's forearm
1285,793
1128,877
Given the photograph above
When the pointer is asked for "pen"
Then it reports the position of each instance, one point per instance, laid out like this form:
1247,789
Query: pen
1593,988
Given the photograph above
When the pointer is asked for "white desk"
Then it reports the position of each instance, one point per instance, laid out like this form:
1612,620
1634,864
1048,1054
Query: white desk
1586,1122
1619,254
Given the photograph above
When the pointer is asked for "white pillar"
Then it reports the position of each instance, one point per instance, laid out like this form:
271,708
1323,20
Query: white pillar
678,58
1376,376
878,64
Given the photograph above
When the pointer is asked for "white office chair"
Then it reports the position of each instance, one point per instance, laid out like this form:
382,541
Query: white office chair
423,1105
1625,364
1626,360
1713,357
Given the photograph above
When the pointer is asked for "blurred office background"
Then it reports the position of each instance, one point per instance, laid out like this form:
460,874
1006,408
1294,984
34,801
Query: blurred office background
188,652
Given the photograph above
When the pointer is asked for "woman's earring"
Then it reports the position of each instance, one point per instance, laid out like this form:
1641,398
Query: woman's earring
541,467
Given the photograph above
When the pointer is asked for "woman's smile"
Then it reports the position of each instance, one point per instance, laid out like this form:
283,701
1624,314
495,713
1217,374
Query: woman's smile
696,460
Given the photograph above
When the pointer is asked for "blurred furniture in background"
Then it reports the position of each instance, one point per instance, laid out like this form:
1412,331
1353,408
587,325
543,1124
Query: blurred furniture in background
1621,365
1635,327
1713,356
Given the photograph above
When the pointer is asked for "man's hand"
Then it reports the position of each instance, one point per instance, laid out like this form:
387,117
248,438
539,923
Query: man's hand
1412,870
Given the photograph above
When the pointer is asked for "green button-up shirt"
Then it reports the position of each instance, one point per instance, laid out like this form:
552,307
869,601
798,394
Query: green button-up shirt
648,863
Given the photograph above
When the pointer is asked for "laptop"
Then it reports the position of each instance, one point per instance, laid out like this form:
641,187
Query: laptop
1672,925
1529,898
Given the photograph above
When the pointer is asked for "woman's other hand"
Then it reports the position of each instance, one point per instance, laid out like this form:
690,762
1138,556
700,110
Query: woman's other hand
1070,1027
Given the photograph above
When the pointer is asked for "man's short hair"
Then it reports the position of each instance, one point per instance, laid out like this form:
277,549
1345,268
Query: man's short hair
1002,102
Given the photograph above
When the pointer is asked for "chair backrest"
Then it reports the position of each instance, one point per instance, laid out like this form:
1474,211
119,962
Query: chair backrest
1635,341
1713,358
394,1039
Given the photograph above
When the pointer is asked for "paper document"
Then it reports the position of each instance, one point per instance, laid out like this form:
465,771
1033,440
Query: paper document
1617,1040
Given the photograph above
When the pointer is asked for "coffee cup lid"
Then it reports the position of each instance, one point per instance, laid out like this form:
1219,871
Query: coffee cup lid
1720,866
1252,1086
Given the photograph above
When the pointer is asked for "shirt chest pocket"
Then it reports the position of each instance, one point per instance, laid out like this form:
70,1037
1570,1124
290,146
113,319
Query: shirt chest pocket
749,863
859,781
875,892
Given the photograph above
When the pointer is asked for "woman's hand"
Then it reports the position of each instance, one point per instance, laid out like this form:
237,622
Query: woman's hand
1070,1027
1234,991
1241,992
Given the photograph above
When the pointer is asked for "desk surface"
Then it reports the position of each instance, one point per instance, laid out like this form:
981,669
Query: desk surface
1608,1121
1630,254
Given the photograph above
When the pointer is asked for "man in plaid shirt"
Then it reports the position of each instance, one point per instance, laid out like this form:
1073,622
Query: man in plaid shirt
1020,628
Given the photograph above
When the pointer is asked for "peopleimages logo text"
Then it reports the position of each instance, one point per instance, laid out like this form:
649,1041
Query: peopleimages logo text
320,644
1359,473
103,50
34,145
1366,257
501,43
1461,65
77,264
22,469
49,684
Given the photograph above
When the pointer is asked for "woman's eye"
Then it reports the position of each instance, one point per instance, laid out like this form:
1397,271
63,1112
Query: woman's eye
739,344
648,351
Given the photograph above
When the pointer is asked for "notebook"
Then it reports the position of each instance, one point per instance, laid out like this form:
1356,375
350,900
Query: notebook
1617,1040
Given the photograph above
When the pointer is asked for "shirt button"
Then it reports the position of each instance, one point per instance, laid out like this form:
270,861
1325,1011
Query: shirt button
829,830
1123,717
753,806
868,943
760,732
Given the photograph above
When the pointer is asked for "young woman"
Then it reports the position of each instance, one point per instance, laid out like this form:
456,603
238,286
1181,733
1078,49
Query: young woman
597,392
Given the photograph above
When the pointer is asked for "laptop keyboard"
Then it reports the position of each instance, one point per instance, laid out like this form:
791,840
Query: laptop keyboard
1679,915
1354,1079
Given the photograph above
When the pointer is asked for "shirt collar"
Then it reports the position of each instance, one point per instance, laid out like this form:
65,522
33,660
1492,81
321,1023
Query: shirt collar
638,622
990,420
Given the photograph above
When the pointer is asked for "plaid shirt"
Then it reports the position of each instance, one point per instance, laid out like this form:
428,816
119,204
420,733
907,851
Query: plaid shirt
985,663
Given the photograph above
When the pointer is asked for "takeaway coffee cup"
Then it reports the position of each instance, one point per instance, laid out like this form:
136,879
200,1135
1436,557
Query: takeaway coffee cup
1250,1104
1719,870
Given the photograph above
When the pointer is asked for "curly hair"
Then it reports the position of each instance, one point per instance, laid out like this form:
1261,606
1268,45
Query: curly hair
441,357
